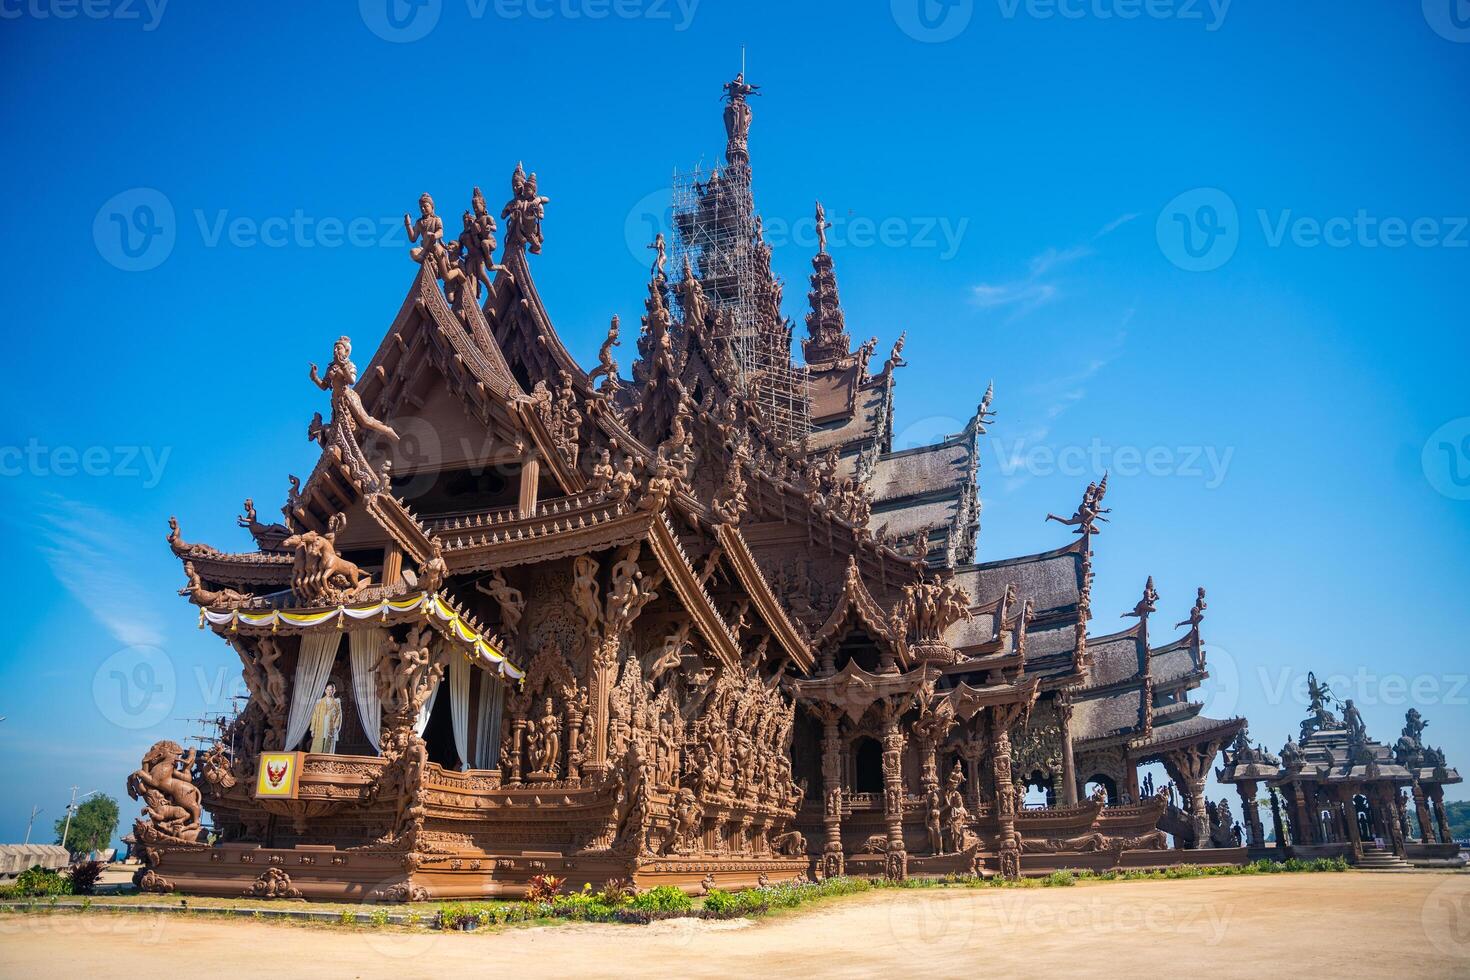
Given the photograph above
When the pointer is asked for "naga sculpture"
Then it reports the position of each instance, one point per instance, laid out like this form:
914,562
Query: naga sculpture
213,599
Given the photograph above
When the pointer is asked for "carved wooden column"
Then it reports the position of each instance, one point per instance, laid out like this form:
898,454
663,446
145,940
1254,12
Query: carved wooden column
896,862
600,682
1189,768
392,564
1421,811
1252,813
1276,823
1388,817
833,863
1009,846
530,484
1069,763
1349,813
1305,825
1442,819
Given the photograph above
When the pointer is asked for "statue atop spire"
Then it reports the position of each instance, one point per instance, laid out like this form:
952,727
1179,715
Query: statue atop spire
829,340
737,120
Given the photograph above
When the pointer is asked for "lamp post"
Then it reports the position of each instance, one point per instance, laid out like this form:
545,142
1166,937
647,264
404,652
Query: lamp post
71,809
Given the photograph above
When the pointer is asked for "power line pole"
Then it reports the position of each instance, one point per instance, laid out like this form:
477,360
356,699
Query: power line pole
71,809
34,810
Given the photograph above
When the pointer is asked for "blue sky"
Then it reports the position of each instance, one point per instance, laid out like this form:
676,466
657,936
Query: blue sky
1281,395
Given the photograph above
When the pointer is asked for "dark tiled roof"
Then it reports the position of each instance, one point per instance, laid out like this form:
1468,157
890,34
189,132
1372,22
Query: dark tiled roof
1110,715
1052,580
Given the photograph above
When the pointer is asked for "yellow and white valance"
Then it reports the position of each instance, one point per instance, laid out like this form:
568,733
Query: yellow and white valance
423,602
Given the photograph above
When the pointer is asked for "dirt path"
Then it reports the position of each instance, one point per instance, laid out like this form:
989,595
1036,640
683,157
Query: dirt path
1367,925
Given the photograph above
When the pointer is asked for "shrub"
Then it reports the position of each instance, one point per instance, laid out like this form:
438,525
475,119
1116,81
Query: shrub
38,882
663,899
617,891
84,876
1060,879
544,888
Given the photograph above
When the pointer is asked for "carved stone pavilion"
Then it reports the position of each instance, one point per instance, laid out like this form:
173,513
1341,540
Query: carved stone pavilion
696,624
1335,792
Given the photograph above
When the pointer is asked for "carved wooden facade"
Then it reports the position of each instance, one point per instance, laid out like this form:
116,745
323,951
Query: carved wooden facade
608,627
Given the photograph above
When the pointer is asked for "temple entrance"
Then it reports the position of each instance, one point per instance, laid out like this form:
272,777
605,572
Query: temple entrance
1106,783
1364,814
867,766
439,735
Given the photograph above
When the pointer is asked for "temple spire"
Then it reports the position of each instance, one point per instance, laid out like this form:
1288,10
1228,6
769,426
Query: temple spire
828,338
737,121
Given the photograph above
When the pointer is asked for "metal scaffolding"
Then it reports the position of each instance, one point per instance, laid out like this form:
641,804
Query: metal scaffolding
716,228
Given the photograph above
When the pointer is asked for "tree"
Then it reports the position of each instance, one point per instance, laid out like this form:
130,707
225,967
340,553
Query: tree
92,826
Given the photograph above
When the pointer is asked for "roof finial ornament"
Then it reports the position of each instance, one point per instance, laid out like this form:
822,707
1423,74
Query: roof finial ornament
983,414
607,367
1089,512
1148,604
660,258
1197,614
737,119
822,225
524,211
432,254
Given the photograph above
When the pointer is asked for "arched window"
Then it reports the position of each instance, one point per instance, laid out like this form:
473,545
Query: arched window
1107,783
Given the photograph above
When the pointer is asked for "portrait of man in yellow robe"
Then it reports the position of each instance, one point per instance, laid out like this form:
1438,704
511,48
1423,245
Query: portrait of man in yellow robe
326,721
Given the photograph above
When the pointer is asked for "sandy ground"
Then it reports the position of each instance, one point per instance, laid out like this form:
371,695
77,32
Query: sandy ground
1408,925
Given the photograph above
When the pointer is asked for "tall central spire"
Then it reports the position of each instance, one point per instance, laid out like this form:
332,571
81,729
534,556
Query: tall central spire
737,121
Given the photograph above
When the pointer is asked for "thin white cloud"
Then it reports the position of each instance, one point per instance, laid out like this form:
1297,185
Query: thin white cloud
1036,289
91,554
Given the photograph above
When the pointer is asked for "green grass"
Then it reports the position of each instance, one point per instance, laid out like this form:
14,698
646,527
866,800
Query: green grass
668,902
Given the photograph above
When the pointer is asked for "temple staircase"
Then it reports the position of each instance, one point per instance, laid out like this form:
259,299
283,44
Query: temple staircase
1375,859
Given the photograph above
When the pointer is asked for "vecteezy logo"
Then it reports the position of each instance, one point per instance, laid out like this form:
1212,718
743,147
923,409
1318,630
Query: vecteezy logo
134,688
1199,230
400,21
135,230
651,215
1445,917
1450,19
1446,459
932,21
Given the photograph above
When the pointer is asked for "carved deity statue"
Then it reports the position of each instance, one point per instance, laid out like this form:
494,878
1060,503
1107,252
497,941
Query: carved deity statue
524,211
737,111
432,254
342,434
510,600
1089,512
545,743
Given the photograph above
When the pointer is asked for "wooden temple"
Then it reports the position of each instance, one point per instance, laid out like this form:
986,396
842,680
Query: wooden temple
527,618
1336,792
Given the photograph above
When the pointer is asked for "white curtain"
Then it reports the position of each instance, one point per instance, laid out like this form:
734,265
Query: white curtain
426,710
459,705
366,647
487,724
313,667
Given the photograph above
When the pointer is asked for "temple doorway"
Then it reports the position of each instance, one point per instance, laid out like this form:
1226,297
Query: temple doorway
439,735
867,766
